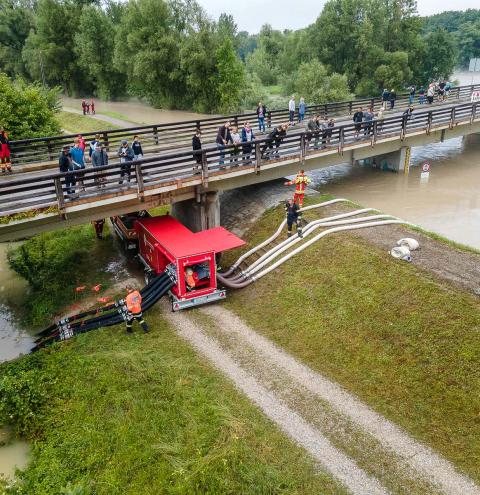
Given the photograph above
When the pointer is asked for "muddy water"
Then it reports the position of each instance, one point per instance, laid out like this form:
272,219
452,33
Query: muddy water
136,111
448,203
13,453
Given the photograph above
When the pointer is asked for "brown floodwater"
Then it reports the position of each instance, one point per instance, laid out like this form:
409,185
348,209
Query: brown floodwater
136,111
447,203
13,453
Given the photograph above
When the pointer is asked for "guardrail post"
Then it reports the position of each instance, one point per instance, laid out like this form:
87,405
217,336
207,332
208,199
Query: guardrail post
204,169
302,148
341,140
452,118
50,150
60,197
140,185
325,110
429,122
374,135
105,142
258,158
404,128
350,107
155,135
474,112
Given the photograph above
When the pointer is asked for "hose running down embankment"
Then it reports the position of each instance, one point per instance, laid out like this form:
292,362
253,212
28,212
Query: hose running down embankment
338,223
112,314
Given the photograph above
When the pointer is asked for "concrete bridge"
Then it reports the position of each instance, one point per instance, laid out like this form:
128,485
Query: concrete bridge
35,204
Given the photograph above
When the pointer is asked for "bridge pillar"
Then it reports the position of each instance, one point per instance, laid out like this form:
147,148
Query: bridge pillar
398,161
199,214
471,139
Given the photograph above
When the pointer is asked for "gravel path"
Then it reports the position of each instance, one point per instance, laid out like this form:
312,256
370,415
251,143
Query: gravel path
306,435
422,459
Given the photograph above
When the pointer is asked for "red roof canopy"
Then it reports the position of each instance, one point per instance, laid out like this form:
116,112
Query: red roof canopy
181,241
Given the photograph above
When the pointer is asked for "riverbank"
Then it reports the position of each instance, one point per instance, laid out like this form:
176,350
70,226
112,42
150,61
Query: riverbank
390,333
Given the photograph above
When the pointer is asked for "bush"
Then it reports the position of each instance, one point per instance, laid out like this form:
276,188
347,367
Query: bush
28,110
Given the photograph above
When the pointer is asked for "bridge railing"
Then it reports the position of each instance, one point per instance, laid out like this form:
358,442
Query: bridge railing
163,137
161,173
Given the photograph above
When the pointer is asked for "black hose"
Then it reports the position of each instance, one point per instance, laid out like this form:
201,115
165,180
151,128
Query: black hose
151,293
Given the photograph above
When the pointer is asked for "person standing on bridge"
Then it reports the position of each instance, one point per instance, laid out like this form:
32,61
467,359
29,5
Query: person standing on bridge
430,93
368,119
358,119
126,155
411,94
300,182
291,109
93,145
393,97
78,161
261,114
196,147
247,141
137,148
385,98
313,130
223,138
100,159
421,95
291,210
65,166
133,301
5,152
302,108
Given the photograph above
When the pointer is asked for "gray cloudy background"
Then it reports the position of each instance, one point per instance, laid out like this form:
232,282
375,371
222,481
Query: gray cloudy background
250,15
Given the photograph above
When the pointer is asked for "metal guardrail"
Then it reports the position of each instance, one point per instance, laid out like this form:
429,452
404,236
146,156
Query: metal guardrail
149,176
163,137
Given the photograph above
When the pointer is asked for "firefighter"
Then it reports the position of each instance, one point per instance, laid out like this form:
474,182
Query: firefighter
293,216
134,306
301,181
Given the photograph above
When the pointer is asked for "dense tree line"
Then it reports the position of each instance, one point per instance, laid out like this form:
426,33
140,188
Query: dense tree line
172,54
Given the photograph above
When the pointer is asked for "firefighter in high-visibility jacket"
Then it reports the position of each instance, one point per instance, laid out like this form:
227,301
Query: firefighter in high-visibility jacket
134,306
301,182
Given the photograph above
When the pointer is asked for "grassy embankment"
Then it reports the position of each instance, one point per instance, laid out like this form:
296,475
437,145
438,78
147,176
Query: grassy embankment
73,123
390,333
142,414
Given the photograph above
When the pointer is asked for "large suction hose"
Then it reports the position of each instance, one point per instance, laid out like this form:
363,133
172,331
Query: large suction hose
276,234
299,249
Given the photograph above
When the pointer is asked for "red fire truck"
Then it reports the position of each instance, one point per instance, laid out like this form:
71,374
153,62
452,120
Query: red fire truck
189,258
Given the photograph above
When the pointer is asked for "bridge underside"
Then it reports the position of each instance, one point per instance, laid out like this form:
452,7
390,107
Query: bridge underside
193,189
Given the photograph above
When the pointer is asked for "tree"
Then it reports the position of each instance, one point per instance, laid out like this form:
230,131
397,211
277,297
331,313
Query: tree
394,72
230,78
439,55
468,40
316,86
16,20
28,110
94,47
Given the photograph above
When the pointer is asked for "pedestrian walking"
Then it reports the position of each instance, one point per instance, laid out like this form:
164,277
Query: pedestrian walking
291,211
65,167
92,106
358,119
137,148
196,147
421,95
236,141
385,98
84,107
100,159
87,107
302,108
247,142
5,162
291,109
223,138
133,302
126,155
261,114
392,97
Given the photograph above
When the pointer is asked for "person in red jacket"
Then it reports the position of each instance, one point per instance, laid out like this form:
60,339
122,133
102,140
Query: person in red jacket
92,106
133,302
4,152
301,181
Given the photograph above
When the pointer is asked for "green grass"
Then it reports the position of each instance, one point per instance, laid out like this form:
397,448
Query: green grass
121,116
388,332
275,89
142,414
78,124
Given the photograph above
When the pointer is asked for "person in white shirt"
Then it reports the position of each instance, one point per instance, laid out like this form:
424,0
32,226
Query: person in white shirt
291,109
237,141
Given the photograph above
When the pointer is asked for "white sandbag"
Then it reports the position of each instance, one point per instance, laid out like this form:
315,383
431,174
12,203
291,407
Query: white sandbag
412,244
401,253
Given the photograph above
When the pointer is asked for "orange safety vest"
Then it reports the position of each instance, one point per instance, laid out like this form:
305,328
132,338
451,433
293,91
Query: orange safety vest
191,279
134,302
301,182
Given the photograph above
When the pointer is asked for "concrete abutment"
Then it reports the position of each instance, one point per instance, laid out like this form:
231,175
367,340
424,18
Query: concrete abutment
397,161
200,213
